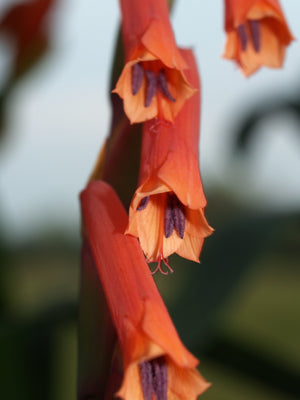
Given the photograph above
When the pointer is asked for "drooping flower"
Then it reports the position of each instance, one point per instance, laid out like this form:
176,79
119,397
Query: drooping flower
152,83
257,34
154,358
167,210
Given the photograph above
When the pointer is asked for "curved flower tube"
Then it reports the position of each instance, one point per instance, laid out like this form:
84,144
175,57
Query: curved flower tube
152,83
167,210
154,358
257,34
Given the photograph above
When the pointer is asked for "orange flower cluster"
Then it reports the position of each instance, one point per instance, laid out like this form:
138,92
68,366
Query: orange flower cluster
160,86
167,210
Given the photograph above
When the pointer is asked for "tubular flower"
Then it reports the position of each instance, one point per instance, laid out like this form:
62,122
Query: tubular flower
152,83
167,210
154,359
257,34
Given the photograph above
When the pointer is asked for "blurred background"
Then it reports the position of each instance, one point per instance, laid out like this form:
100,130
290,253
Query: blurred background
238,311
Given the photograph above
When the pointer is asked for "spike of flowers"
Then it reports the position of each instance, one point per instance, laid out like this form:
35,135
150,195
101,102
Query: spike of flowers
154,358
167,210
257,34
158,86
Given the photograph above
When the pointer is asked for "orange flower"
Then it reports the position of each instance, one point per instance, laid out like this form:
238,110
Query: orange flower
167,210
152,83
154,358
257,34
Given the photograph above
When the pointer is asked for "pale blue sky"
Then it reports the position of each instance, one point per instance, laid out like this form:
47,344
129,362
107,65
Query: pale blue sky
60,115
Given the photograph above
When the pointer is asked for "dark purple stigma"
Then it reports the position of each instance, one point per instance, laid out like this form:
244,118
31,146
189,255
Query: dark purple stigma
174,216
241,29
255,34
137,74
151,87
154,378
163,85
143,203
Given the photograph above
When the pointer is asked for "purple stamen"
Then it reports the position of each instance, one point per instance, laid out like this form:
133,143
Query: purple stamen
163,85
160,378
174,216
154,378
255,34
137,74
143,203
178,217
243,36
151,87
146,379
169,221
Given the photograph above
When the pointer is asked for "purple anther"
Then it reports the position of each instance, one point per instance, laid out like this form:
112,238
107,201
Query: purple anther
178,217
137,74
241,29
169,221
163,85
160,378
146,379
154,378
143,203
174,216
151,87
255,34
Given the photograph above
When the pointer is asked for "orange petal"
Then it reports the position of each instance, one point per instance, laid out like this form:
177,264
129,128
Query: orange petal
196,230
185,384
150,225
125,277
191,248
165,50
